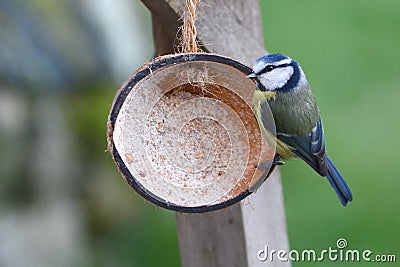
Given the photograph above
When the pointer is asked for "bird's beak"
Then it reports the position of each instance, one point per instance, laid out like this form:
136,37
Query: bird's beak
251,75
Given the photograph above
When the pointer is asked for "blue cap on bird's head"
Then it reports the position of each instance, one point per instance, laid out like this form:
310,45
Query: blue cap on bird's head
272,60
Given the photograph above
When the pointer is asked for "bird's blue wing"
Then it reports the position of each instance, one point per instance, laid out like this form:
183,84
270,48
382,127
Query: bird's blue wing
310,148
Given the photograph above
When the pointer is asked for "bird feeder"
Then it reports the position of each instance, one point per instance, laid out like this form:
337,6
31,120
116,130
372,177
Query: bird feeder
182,132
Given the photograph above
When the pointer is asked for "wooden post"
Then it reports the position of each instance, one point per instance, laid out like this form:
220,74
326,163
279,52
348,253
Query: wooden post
232,236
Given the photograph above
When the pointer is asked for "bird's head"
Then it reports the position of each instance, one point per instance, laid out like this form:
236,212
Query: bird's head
276,72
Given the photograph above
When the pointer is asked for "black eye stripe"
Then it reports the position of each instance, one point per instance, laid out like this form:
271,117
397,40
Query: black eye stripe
269,68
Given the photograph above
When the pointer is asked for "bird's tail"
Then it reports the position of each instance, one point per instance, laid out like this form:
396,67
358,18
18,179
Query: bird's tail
338,183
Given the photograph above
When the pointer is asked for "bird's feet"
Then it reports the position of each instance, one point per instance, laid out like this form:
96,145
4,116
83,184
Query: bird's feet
271,163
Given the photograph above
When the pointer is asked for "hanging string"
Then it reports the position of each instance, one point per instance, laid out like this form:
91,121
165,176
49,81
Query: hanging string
189,32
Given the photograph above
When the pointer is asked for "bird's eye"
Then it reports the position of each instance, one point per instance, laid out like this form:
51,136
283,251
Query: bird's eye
269,68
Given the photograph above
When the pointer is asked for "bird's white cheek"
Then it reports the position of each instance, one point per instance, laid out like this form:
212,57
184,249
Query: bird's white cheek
277,78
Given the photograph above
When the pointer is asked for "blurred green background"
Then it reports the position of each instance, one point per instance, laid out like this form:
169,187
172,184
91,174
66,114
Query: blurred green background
62,201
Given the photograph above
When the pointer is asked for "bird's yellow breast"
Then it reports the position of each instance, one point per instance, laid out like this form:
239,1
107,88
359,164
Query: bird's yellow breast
263,95
259,97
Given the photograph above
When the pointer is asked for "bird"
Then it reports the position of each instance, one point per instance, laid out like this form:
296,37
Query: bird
282,88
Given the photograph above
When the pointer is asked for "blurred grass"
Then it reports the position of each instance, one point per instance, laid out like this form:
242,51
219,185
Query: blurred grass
350,53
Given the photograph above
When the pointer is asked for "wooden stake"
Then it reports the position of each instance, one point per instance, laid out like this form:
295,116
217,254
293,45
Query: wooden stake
233,236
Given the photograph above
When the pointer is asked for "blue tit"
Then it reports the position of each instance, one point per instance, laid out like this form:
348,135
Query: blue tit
282,84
